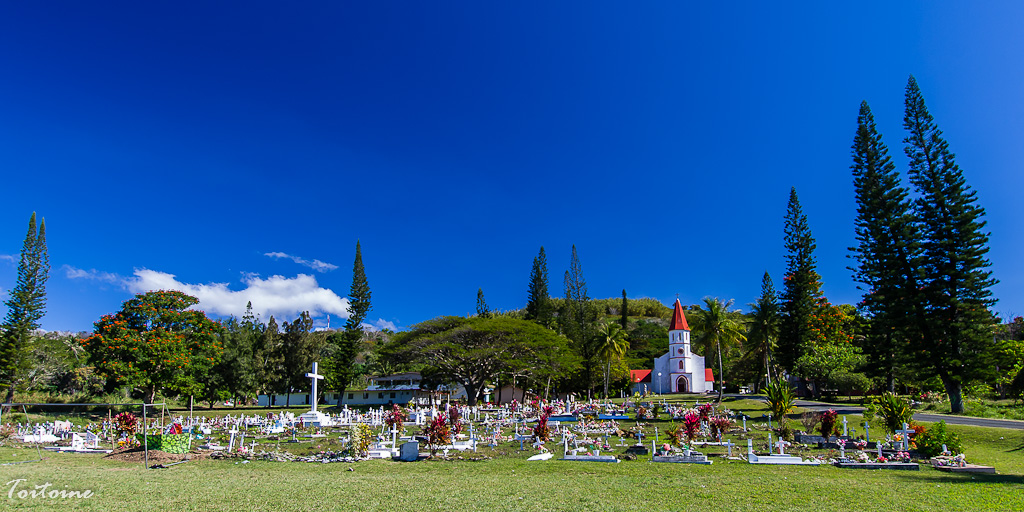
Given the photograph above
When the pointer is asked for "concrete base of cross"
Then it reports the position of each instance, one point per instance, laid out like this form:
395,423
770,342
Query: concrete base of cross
315,419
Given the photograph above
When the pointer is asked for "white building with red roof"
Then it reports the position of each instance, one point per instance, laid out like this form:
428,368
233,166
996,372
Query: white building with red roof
680,370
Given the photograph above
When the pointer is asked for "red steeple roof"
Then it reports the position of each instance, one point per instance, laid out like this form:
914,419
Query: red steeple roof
678,319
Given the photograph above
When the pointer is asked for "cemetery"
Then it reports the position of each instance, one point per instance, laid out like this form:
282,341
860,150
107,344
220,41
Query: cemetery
685,438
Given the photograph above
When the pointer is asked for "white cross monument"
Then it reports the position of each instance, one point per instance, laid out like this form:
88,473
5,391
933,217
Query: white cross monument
314,417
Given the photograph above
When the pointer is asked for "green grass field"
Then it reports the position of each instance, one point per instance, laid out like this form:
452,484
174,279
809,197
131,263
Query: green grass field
509,482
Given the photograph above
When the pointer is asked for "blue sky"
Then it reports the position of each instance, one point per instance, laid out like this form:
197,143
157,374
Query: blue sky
239,150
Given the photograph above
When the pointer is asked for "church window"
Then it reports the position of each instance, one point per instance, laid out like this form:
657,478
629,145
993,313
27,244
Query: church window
680,365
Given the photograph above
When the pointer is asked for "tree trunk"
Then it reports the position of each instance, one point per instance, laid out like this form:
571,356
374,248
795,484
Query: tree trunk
471,392
955,391
10,394
721,381
607,370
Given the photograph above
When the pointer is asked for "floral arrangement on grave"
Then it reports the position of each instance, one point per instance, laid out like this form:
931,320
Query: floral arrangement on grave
705,411
126,423
455,420
860,444
513,405
173,429
691,426
438,433
655,410
863,457
642,413
720,425
828,423
361,439
395,418
959,461
541,432
901,457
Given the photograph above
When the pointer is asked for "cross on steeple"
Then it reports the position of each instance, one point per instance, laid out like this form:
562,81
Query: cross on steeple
314,377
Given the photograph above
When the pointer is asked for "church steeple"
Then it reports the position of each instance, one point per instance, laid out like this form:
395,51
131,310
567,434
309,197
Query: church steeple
678,319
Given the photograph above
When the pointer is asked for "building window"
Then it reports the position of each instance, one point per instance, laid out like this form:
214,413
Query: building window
680,350
350,396
366,396
380,395
680,365
392,395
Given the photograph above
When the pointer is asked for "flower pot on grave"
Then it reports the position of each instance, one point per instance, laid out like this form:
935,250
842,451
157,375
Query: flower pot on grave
169,443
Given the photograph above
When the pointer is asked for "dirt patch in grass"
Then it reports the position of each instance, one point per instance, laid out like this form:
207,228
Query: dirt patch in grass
155,456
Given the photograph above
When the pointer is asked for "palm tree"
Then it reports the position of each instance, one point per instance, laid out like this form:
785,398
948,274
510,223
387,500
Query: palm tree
613,346
718,327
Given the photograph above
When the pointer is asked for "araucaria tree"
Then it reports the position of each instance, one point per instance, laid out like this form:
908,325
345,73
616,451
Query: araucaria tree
155,342
801,295
25,307
538,302
578,318
763,332
482,310
886,252
956,322
344,347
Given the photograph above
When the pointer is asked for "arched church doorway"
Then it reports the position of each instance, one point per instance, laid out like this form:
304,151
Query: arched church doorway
682,385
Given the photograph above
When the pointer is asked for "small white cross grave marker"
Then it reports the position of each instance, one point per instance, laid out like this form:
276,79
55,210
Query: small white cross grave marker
314,377
906,436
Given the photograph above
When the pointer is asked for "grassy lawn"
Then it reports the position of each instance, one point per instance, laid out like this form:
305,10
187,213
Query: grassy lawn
508,482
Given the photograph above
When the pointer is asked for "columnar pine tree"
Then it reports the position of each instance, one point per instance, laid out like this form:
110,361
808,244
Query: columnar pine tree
25,307
577,322
343,347
624,321
955,289
482,310
764,328
887,250
801,296
538,302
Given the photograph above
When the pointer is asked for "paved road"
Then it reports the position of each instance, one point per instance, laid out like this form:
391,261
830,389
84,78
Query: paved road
950,419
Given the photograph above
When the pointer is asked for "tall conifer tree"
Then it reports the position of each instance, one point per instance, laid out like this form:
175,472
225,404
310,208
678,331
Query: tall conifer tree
578,319
482,310
344,347
956,296
886,252
801,296
538,302
25,306
764,328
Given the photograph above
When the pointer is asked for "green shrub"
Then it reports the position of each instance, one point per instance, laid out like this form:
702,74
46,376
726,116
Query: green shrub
893,410
929,443
780,398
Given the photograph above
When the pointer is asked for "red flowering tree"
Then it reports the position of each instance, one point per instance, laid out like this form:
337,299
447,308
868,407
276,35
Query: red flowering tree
156,342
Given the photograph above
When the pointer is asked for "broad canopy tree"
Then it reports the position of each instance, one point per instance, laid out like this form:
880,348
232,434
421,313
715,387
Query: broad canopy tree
155,342
474,351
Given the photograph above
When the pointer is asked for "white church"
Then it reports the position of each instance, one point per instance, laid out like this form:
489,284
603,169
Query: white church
680,370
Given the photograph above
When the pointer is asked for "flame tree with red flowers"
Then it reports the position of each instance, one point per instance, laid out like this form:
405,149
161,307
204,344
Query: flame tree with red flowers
156,342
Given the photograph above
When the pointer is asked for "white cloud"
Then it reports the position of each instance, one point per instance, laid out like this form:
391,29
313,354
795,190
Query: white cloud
317,265
283,297
92,275
379,325
7,257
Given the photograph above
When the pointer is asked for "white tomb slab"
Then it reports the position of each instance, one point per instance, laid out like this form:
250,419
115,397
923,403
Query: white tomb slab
787,460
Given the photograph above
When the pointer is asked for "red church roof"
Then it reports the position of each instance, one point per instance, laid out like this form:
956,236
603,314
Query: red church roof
709,376
639,376
678,319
